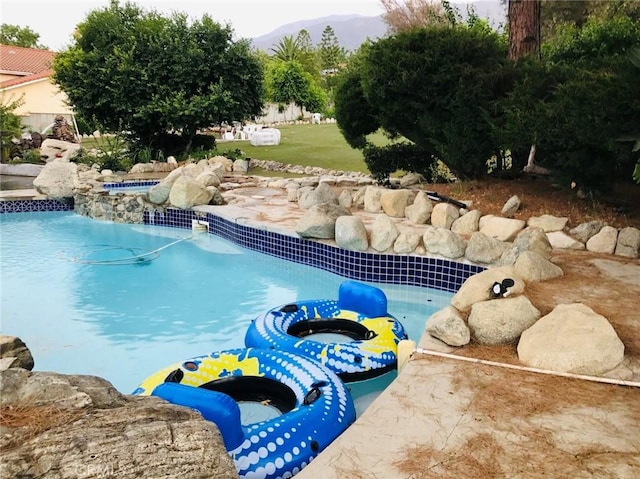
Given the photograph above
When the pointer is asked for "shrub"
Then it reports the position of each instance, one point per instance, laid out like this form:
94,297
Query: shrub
382,161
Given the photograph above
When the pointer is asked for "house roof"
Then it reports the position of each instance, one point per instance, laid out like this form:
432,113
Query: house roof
26,64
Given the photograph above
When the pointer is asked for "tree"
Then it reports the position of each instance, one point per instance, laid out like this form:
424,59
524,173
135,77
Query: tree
149,75
287,49
10,124
332,55
290,83
408,14
19,36
524,28
437,87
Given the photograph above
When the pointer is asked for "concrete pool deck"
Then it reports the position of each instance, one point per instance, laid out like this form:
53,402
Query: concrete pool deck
449,418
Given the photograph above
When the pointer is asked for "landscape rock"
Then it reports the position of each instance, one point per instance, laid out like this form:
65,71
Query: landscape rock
584,231
511,207
406,242
572,339
502,320
319,221
372,199
159,193
383,233
548,223
345,199
484,249
448,326
351,234
467,224
81,427
443,215
533,239
477,288
504,229
52,149
628,243
420,211
321,194
57,179
560,240
533,268
411,179
444,242
604,241
13,347
186,193
394,202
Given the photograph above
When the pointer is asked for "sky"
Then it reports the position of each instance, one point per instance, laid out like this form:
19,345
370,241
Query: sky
55,20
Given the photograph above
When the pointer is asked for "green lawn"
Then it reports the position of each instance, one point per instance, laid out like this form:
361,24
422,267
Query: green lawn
308,145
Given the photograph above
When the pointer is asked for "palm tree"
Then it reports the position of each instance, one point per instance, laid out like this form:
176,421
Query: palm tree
287,49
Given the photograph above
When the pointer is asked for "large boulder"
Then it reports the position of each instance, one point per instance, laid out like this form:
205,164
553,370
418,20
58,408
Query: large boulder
394,202
504,229
443,242
477,288
467,224
628,243
372,199
484,249
584,231
548,223
420,211
319,221
186,193
159,193
52,149
351,234
14,353
448,326
406,242
60,426
502,320
443,215
383,233
533,268
321,194
604,241
561,240
57,179
573,339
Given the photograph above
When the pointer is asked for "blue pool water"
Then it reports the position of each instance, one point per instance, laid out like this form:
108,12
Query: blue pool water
126,319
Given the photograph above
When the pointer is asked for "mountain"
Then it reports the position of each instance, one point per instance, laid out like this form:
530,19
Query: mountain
352,30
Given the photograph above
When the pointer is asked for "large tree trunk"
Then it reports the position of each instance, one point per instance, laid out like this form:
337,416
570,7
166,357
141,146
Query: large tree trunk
524,28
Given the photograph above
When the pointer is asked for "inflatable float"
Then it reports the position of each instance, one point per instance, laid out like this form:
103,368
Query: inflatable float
354,336
309,405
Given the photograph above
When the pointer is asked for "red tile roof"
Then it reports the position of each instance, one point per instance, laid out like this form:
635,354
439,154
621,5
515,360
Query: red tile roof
26,64
21,61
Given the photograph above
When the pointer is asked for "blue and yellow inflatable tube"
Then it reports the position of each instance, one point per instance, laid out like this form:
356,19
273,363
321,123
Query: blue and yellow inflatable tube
359,315
314,405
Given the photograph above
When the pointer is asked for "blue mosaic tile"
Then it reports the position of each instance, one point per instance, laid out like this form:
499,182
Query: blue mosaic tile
421,271
130,184
25,206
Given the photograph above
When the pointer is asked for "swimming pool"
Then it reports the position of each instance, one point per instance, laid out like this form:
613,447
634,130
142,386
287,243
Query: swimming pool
125,321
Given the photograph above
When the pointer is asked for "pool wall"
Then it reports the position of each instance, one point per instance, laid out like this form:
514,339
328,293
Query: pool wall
412,270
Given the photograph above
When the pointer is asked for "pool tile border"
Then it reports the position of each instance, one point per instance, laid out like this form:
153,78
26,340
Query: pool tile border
412,270
129,184
438,273
26,206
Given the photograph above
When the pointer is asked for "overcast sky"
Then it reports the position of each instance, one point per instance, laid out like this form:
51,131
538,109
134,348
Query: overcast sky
55,20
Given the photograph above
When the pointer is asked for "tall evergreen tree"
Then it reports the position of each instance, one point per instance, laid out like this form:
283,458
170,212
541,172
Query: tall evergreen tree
331,54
